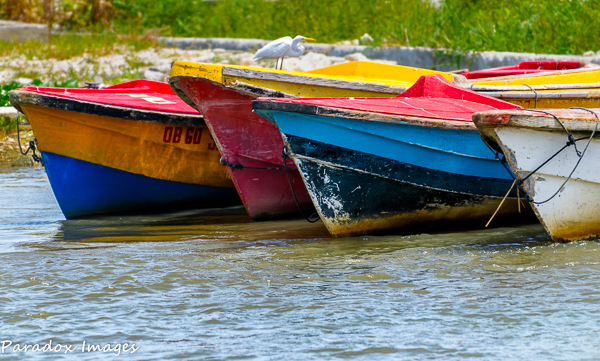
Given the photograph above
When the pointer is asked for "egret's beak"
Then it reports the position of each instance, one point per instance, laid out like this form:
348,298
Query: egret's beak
309,39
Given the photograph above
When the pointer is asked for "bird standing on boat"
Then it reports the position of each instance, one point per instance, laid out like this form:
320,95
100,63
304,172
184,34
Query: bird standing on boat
280,48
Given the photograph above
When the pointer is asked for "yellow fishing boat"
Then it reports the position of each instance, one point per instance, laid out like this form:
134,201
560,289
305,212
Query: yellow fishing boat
129,147
356,78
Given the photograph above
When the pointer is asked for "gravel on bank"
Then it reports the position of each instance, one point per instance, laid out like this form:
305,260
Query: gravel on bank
153,63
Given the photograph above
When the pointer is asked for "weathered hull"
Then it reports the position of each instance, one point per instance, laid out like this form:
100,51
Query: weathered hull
108,159
245,138
369,177
574,212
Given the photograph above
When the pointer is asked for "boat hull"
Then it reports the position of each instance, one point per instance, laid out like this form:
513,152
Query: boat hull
170,157
83,189
371,177
245,138
574,212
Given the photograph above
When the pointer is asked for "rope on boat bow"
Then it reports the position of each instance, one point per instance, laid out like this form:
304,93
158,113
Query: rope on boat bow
536,96
571,141
32,144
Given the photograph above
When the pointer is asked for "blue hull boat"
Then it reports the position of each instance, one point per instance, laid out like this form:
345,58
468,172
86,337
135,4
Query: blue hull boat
130,147
83,189
369,172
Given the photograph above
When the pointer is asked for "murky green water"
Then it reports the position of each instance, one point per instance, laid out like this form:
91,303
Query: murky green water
212,285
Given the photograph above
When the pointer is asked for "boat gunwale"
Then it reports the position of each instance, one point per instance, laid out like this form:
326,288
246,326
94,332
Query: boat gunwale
309,109
313,80
534,75
20,98
576,121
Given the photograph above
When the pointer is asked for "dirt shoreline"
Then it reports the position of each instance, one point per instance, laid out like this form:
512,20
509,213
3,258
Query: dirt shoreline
10,155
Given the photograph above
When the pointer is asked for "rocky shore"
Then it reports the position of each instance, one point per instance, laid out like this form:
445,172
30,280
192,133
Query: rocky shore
152,63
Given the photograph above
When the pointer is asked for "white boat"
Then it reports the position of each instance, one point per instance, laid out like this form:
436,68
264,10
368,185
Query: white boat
555,155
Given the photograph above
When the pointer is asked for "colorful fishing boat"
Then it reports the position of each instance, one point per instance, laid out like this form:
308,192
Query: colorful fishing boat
373,164
554,89
129,147
250,145
553,154
525,67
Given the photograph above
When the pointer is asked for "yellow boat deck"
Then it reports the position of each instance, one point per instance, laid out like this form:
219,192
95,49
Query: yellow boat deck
356,78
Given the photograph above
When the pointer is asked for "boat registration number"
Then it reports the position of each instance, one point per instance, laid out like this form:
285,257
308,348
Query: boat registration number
185,135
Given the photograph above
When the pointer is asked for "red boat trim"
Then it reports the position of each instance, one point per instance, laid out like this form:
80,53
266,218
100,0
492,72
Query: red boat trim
138,94
431,97
20,98
361,115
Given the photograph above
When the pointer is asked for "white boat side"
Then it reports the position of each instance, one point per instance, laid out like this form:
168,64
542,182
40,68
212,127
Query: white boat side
530,138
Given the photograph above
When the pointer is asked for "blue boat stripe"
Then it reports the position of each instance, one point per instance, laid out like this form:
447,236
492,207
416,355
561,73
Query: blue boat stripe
449,150
398,171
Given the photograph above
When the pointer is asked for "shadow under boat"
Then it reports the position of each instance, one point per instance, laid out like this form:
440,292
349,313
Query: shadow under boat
225,224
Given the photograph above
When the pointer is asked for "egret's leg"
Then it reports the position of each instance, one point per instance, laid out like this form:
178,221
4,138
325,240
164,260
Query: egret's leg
281,67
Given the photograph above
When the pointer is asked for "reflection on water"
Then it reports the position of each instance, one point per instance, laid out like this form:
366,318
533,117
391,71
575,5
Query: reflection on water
209,224
212,285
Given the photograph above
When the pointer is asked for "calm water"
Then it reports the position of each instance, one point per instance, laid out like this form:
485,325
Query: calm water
212,285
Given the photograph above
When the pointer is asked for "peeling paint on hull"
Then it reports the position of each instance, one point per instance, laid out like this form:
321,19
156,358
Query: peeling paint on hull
373,195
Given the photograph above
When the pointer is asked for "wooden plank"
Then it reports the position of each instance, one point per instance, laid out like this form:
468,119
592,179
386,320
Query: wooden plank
540,95
316,81
258,91
544,122
535,75
574,120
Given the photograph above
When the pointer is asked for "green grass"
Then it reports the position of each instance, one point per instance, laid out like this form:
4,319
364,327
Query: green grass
5,88
68,46
8,125
541,26
538,26
557,27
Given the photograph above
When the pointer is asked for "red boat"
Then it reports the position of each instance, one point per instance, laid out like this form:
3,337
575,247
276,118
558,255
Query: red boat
247,142
525,67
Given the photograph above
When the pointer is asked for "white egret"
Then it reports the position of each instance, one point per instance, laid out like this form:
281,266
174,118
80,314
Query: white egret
280,48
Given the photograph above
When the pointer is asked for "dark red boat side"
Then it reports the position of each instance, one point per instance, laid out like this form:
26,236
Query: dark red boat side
248,141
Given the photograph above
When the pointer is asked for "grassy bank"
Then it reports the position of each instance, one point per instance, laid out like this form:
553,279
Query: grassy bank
559,27
67,46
